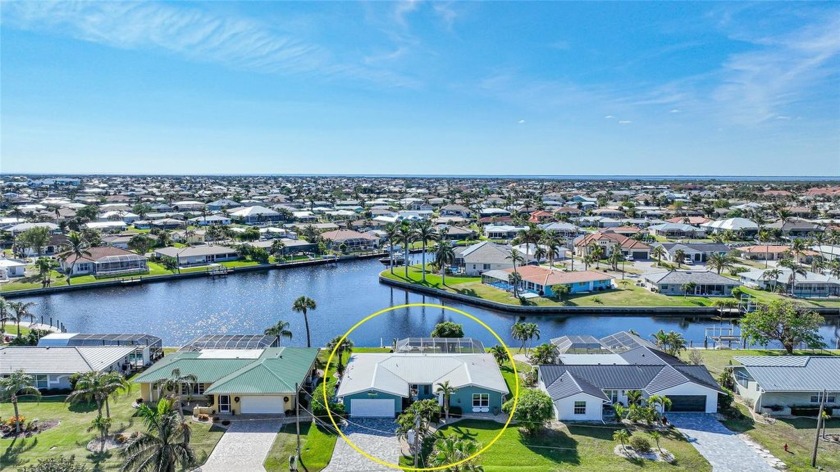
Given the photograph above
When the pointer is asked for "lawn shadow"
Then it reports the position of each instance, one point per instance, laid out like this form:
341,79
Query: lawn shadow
554,445
740,425
467,291
11,456
81,407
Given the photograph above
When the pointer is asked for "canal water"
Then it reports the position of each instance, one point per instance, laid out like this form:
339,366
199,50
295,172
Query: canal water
181,310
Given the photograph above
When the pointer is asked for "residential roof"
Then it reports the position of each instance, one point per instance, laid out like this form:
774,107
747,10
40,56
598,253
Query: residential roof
548,277
346,235
794,373
649,378
485,252
194,251
60,360
99,252
394,373
270,370
680,277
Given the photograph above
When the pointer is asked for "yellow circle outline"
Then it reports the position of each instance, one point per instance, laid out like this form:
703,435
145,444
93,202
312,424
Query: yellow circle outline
397,466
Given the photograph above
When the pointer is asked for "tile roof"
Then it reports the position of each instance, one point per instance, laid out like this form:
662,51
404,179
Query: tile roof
547,277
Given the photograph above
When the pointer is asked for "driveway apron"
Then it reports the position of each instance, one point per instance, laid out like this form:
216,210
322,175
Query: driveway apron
724,450
373,435
243,447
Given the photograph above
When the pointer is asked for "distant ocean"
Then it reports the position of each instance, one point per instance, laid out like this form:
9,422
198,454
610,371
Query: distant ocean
648,178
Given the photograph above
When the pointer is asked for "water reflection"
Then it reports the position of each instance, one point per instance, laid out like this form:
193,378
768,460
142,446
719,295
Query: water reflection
345,293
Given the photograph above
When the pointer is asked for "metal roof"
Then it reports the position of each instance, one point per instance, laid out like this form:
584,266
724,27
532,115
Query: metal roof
794,373
274,370
650,378
394,373
122,339
60,360
231,341
567,385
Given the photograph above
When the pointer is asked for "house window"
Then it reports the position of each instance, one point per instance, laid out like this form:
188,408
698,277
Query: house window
42,382
580,408
818,397
742,378
486,266
481,400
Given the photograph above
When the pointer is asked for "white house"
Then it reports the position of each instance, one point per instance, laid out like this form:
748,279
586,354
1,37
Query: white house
775,384
52,366
198,255
11,268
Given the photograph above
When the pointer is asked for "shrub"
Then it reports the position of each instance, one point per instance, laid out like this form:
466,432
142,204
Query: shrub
12,421
56,464
640,444
225,422
531,377
737,292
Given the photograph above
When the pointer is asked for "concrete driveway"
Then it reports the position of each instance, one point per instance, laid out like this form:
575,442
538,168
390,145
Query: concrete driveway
244,446
375,436
720,446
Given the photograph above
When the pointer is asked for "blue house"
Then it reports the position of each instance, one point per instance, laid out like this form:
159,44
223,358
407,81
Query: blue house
541,280
383,385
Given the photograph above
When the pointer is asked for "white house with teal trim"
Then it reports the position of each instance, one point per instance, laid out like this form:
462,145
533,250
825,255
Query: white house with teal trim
383,385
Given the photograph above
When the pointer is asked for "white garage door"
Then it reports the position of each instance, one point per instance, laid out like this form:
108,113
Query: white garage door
366,407
262,404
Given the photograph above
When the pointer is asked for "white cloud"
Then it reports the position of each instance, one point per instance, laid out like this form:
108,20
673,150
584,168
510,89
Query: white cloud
192,33
609,117
521,122
624,122
674,110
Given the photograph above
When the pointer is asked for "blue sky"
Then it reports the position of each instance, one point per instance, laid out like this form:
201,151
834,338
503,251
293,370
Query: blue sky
420,88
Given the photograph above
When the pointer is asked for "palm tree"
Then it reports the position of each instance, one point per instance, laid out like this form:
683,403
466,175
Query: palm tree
515,256
447,391
719,261
5,310
14,384
340,348
772,274
406,235
519,332
445,256
545,353
515,280
451,450
634,397
658,252
656,435
392,233
77,249
302,305
764,237
425,233
499,353
552,245
280,329
98,387
616,256
530,235
101,425
21,310
795,269
622,436
679,255
164,445
44,266
596,254
531,331
177,383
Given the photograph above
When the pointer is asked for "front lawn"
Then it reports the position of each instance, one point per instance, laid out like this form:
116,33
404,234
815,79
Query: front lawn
316,446
797,433
71,436
580,447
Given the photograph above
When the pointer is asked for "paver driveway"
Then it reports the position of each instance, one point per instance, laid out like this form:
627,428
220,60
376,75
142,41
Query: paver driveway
720,446
375,436
244,446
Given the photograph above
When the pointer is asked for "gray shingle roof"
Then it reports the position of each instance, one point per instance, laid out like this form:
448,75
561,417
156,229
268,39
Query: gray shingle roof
679,277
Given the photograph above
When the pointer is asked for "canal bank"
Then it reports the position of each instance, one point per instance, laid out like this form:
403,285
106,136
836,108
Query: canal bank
248,303
676,311
139,280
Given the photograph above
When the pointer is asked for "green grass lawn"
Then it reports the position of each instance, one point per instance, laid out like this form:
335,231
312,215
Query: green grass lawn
798,434
70,437
762,296
316,445
628,294
571,447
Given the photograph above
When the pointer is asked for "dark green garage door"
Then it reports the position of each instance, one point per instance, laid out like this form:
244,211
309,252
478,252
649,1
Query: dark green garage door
688,402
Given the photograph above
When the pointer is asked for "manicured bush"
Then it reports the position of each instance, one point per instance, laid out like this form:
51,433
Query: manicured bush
640,444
